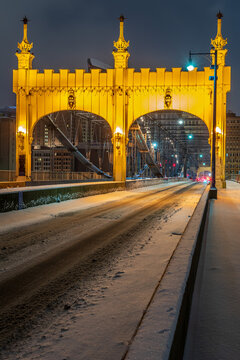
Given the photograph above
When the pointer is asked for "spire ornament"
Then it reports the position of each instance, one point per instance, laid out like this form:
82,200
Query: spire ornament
25,58
218,43
121,55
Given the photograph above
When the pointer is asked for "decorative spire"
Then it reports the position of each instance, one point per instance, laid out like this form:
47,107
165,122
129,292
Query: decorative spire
218,43
121,55
25,58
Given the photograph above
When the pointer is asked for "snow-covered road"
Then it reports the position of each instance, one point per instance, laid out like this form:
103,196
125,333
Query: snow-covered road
76,277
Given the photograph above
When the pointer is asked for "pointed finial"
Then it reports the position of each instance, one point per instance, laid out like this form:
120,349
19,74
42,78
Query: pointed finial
121,44
25,20
218,43
25,46
121,55
25,57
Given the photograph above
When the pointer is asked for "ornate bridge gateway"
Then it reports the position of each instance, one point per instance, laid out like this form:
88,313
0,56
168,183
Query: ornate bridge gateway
120,96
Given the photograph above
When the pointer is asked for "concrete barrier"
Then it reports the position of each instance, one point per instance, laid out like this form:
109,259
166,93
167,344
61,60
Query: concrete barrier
40,195
162,330
17,199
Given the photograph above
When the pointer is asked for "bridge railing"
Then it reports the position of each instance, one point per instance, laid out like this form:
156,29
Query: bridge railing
55,176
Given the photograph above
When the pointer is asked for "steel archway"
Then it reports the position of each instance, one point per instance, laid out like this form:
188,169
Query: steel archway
119,95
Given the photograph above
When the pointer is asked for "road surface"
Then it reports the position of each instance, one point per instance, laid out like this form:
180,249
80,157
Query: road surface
75,285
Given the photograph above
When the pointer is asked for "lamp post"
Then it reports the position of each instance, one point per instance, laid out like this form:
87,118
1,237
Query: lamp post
190,67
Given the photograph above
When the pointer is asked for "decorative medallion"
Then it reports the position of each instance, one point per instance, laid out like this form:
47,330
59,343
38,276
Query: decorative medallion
71,99
168,99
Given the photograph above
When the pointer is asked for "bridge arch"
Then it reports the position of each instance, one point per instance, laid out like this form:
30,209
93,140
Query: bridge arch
82,138
173,111
167,134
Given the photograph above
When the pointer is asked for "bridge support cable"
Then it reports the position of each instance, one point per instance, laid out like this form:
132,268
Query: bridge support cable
143,148
141,172
74,150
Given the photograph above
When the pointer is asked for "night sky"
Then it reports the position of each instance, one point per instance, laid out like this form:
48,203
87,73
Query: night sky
161,33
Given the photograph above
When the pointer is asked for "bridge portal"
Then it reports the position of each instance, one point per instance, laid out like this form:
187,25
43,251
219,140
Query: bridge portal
120,96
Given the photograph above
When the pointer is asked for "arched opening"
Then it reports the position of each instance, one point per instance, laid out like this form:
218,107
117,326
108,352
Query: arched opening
176,141
71,146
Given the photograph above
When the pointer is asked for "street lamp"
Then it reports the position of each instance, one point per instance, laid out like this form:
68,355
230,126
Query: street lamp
190,67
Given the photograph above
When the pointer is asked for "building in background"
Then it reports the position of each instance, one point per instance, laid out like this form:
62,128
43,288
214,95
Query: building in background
7,143
232,145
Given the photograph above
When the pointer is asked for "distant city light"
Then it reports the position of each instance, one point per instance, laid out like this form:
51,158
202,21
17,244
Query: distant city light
190,136
204,164
200,155
154,145
180,121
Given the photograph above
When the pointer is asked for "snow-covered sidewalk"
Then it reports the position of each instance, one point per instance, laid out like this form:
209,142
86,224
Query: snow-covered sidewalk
215,318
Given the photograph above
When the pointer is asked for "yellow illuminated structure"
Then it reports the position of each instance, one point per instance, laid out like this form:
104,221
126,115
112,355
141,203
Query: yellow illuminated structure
119,95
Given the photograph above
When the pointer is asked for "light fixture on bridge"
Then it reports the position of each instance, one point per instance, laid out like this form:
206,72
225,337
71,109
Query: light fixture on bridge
21,130
154,145
118,138
190,136
21,134
218,130
201,155
180,121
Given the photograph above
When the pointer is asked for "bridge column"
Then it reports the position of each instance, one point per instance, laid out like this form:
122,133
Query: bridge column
20,79
119,155
120,138
223,86
220,159
23,139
